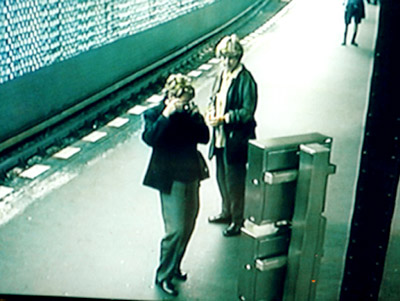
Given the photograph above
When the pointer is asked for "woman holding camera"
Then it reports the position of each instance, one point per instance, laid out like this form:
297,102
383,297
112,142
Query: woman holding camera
173,129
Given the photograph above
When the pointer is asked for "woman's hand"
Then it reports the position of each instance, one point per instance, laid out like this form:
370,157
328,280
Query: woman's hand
214,120
171,107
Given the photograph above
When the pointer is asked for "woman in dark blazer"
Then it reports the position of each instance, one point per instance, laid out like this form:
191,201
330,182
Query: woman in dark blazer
231,116
173,129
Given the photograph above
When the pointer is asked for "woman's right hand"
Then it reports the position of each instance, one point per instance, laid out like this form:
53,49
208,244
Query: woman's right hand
209,116
171,107
215,121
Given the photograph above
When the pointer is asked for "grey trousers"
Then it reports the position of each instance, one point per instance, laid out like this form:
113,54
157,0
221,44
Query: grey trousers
231,182
179,210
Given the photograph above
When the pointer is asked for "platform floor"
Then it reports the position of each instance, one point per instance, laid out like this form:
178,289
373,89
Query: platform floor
97,235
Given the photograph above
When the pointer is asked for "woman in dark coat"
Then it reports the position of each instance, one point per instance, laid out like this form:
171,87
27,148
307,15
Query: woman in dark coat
173,129
231,116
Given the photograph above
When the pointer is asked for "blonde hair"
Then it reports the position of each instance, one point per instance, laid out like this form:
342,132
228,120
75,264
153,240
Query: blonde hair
178,84
229,46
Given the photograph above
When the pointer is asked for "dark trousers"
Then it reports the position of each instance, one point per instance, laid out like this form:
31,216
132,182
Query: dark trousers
231,182
179,210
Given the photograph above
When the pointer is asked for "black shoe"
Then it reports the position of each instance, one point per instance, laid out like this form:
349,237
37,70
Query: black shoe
354,44
232,230
219,219
344,44
180,276
167,287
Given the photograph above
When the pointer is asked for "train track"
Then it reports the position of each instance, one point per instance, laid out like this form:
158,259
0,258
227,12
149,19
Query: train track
74,126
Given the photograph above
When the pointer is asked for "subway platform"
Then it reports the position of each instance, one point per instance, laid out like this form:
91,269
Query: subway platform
92,230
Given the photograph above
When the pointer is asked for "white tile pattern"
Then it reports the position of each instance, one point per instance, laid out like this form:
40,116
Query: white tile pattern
34,171
118,122
94,136
4,191
67,152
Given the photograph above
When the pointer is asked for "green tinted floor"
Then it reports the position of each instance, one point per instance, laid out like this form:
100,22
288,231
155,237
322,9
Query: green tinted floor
98,234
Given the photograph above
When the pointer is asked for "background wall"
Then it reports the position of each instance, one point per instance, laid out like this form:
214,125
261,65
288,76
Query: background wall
37,96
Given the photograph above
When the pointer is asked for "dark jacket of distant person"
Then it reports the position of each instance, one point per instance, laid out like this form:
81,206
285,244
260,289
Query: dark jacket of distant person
174,141
356,9
241,104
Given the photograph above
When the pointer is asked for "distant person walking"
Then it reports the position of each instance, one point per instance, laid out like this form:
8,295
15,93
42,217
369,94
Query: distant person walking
354,9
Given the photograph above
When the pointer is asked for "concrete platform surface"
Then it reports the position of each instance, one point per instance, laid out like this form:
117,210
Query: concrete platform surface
93,230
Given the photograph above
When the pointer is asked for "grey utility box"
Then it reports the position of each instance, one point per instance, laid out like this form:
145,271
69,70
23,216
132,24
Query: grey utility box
272,174
264,253
284,228
308,223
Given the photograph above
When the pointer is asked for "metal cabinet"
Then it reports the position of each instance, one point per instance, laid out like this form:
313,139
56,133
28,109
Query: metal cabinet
308,223
284,226
272,174
264,251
